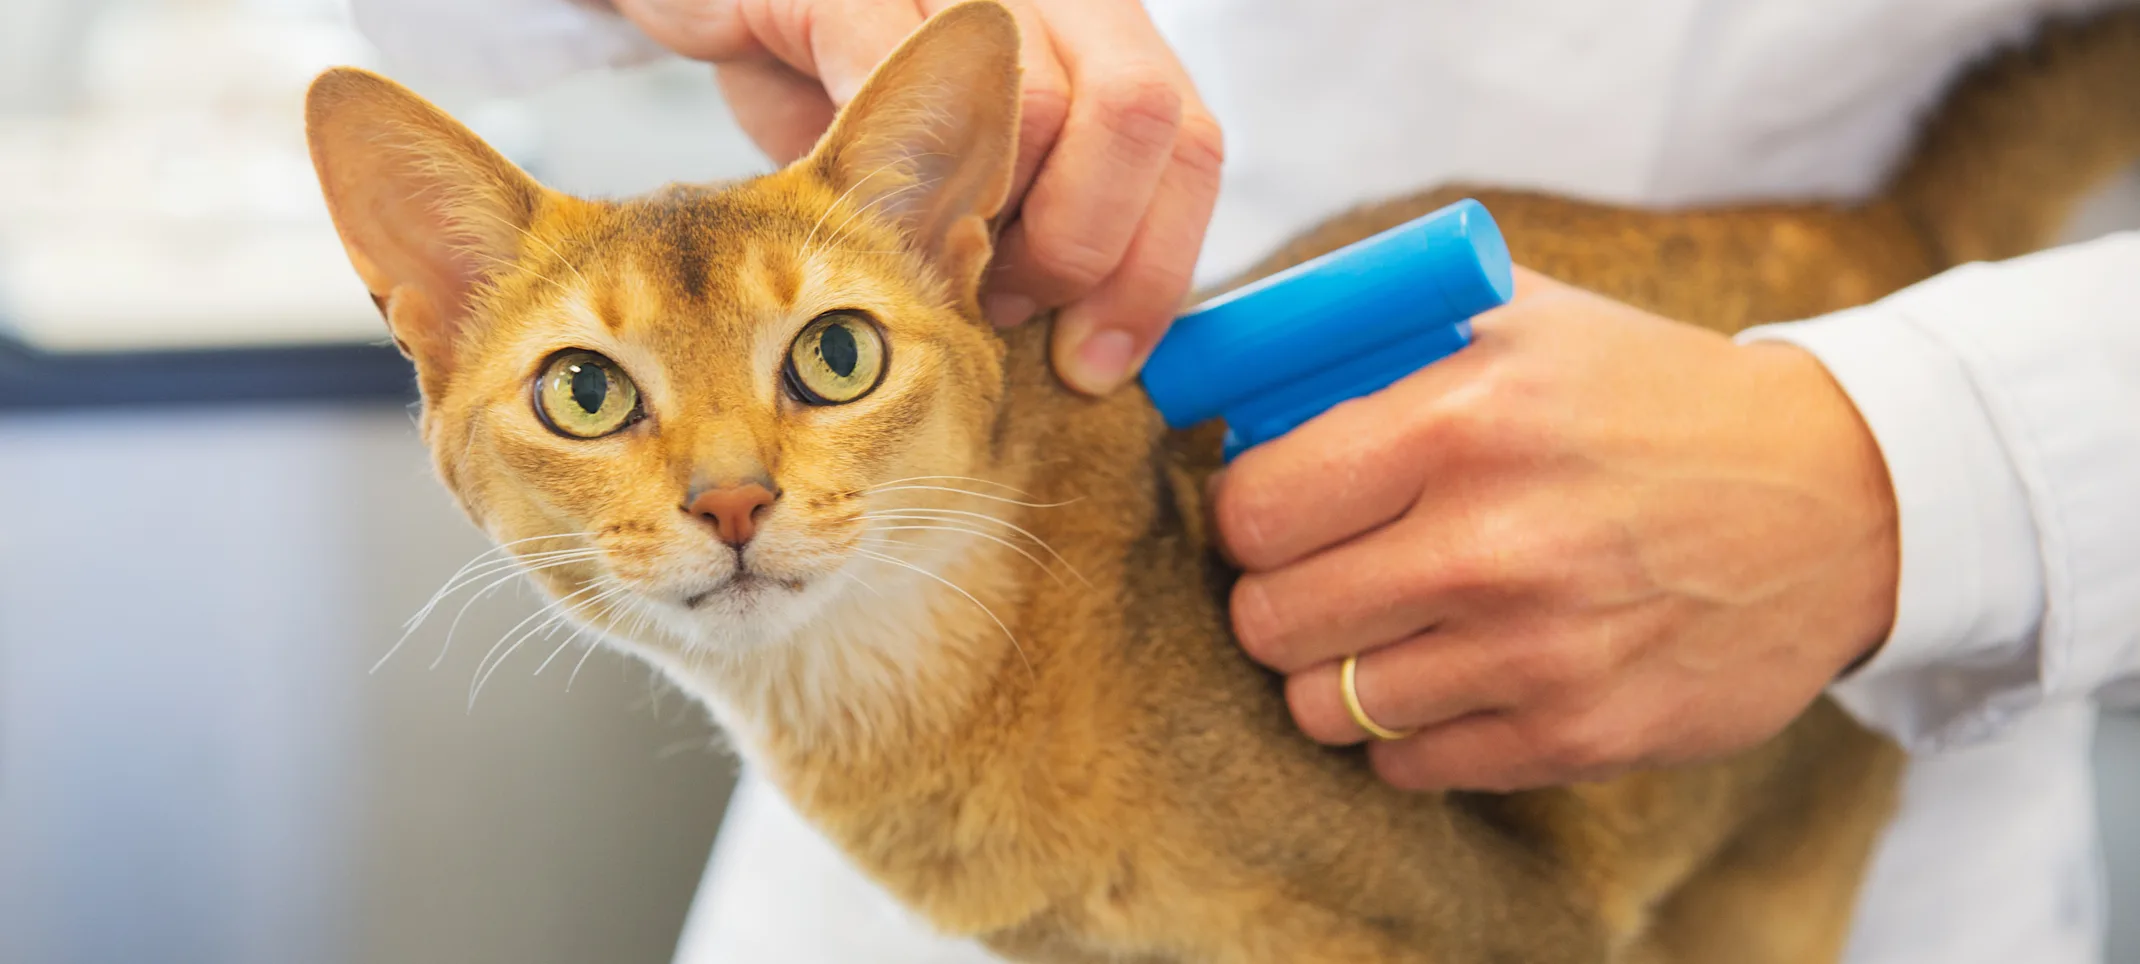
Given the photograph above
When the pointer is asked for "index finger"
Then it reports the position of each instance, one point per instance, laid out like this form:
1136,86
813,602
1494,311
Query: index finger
1351,469
1367,460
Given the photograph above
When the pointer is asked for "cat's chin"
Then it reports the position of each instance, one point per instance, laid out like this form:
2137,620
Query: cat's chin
746,591
750,611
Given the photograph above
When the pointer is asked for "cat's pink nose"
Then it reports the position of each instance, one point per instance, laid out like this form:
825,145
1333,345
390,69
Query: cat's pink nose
733,510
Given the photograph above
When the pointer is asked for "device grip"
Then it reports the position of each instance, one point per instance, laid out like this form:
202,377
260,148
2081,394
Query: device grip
1275,353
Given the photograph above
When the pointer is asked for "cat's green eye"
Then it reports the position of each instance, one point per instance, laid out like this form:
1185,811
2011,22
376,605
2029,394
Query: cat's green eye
584,395
838,358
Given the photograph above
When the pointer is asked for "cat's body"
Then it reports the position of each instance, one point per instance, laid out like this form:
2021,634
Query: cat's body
1141,785
1045,735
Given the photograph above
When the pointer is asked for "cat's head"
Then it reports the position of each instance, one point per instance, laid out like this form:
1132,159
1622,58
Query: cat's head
678,406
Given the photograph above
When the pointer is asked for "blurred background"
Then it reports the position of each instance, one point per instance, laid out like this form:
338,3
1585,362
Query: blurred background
217,515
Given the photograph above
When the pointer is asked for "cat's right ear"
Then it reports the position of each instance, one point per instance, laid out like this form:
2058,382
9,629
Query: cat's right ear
425,209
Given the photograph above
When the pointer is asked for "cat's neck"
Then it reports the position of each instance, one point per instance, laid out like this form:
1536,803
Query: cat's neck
916,735
897,658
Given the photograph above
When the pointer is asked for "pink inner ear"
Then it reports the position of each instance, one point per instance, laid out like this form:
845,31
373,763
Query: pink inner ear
425,209
955,197
456,270
414,244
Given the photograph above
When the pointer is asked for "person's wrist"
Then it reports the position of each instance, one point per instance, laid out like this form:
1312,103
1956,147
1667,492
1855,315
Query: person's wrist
1829,441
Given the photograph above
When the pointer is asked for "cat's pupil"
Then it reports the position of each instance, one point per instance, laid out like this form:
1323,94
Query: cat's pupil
590,387
837,347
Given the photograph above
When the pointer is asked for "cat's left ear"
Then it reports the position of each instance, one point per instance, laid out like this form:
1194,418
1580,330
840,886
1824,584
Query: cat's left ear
931,141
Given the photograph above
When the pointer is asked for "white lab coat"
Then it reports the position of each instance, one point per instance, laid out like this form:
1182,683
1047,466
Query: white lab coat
2005,398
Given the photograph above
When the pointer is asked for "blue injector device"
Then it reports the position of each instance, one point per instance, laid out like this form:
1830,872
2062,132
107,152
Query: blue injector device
1271,355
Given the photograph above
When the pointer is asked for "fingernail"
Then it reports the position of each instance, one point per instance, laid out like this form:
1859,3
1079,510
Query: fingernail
1006,310
1100,363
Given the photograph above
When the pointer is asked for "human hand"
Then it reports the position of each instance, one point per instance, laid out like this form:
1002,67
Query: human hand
1594,540
1118,160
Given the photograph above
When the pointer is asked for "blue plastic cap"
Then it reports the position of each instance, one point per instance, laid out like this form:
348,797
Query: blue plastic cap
1278,352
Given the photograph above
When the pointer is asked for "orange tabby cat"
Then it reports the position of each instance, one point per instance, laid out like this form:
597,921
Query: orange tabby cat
970,622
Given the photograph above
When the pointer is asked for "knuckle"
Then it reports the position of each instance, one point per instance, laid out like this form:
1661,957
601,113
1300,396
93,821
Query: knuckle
1042,114
1492,411
1257,626
1315,710
1071,258
1580,660
1238,510
1158,281
1463,419
1560,668
1582,744
1434,428
1417,577
1399,766
1532,669
1155,280
1467,566
1200,146
1141,107
1356,441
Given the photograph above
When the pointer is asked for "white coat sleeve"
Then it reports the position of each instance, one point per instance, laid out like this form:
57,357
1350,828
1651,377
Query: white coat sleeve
2005,398
502,46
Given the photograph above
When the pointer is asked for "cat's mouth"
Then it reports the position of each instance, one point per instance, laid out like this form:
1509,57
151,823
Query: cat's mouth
743,586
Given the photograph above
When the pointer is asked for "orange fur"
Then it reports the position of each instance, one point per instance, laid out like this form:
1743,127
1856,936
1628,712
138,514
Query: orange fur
980,638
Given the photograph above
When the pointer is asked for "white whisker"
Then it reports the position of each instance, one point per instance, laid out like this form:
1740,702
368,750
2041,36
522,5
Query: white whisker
954,587
804,248
879,199
473,570
929,513
859,581
495,566
645,614
952,478
576,667
539,613
547,613
977,495
498,262
564,607
561,647
525,233
493,587
609,612
486,554
1006,543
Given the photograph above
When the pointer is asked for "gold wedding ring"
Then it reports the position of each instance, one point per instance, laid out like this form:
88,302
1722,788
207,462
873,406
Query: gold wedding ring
1348,678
